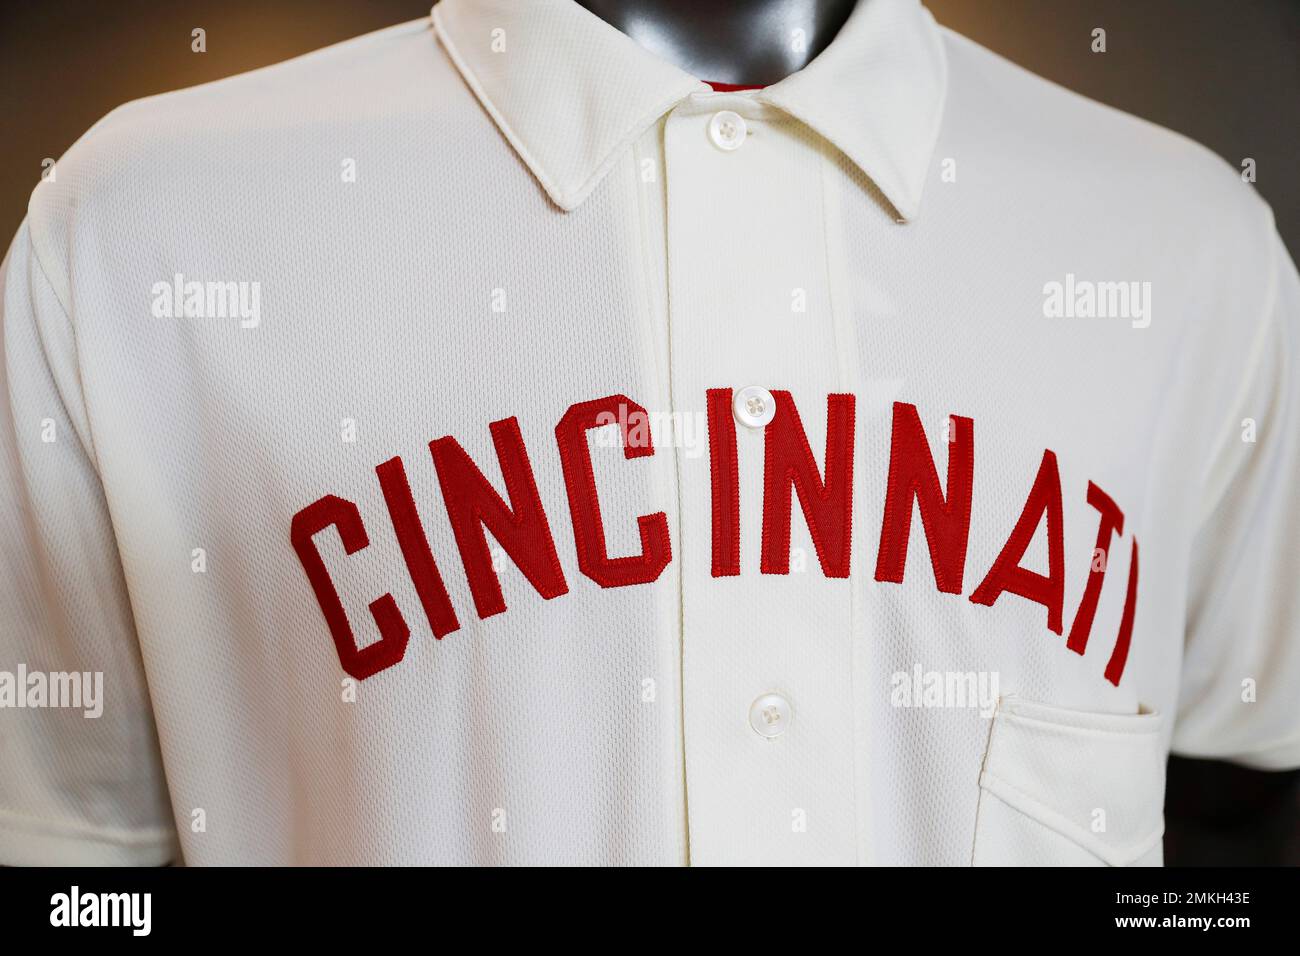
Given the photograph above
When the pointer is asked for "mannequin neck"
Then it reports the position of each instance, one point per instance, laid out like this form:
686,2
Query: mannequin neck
738,42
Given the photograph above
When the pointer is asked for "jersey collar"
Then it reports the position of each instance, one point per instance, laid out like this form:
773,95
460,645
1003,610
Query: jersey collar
569,92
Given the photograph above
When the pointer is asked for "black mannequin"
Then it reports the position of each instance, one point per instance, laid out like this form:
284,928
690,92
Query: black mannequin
737,42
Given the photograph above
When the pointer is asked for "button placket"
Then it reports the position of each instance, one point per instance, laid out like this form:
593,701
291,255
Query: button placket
740,236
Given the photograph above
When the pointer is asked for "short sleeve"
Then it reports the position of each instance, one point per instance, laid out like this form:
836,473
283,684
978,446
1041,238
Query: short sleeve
81,780
1240,688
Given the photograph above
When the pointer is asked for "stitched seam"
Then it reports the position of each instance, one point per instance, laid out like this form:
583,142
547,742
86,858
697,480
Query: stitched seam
1057,823
1253,358
1281,744
844,333
1012,716
44,826
72,329
679,464
561,196
979,803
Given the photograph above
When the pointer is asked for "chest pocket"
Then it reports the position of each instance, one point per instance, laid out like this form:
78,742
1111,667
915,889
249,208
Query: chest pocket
1070,788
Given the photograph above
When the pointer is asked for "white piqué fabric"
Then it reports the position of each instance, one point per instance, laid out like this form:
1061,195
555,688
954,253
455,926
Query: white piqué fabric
1059,786
512,209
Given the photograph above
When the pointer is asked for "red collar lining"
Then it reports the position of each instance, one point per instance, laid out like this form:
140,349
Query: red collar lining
730,87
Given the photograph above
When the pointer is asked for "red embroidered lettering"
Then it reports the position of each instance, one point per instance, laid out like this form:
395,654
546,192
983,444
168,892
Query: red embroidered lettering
913,477
827,506
394,634
724,482
420,564
1119,656
1007,574
520,528
1111,523
584,503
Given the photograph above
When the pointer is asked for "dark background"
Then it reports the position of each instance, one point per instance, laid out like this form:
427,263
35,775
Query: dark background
1224,72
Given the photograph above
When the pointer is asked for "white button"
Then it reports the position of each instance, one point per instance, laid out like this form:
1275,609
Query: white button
770,715
754,406
727,130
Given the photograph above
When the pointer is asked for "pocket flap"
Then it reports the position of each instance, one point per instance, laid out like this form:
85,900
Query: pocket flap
1096,779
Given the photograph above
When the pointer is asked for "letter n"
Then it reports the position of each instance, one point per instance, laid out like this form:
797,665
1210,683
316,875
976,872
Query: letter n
520,527
827,505
914,478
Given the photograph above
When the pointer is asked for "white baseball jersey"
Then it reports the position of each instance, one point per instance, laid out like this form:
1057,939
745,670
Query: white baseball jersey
482,442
